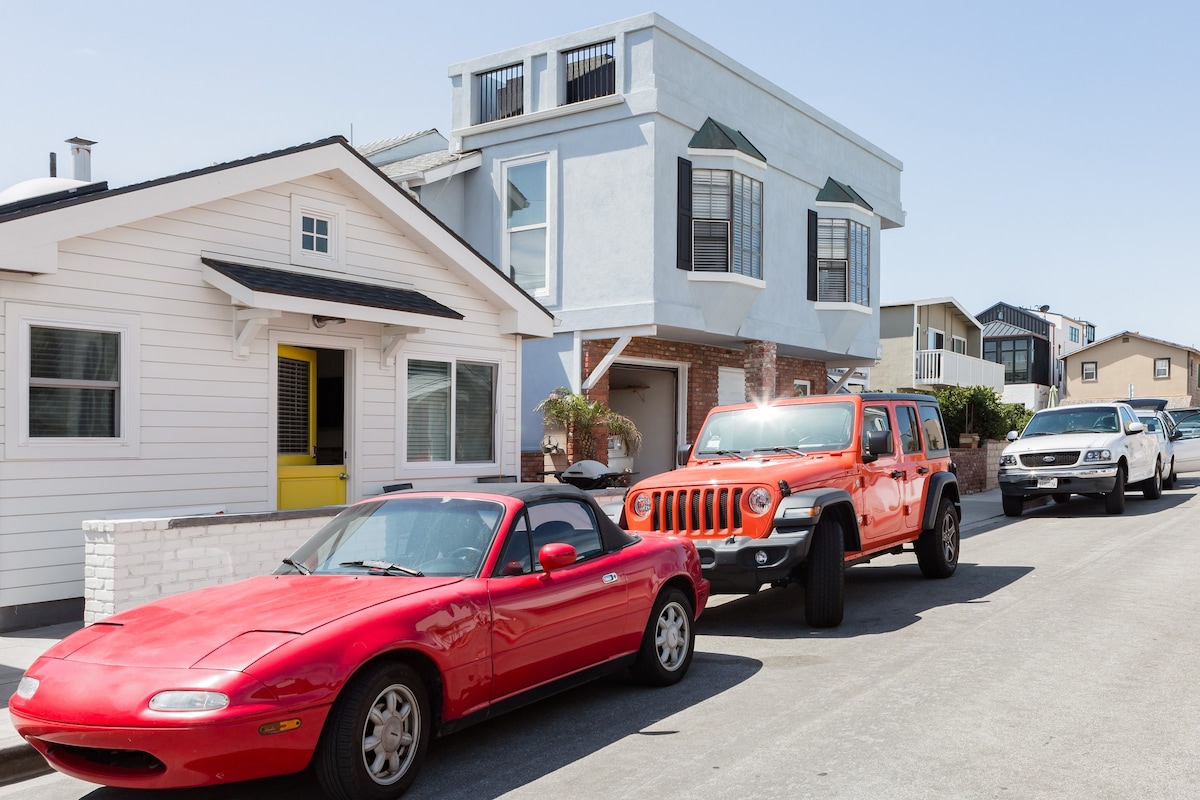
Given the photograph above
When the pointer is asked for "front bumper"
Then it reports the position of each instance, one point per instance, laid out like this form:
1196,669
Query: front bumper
1020,482
741,564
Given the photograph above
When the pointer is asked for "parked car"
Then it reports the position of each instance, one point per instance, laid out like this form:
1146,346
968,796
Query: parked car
1097,449
1183,431
799,489
407,616
1158,423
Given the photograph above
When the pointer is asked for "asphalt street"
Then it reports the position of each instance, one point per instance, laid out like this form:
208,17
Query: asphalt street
1059,662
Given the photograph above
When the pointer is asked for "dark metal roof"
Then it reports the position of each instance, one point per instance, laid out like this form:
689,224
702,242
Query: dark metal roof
998,329
838,192
715,136
293,284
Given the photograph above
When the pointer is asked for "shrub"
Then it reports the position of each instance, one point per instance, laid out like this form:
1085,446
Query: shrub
978,409
582,417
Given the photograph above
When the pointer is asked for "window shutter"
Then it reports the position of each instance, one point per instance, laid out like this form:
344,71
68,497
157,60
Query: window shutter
683,233
812,255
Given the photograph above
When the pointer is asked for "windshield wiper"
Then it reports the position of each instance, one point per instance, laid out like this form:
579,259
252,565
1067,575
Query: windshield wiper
303,570
384,566
779,448
733,453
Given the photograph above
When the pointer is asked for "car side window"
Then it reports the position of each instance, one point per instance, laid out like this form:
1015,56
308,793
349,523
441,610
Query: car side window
517,556
565,521
1126,416
906,423
876,418
935,431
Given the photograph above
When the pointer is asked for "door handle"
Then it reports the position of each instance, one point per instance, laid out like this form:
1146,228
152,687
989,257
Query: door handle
922,470
343,476
898,474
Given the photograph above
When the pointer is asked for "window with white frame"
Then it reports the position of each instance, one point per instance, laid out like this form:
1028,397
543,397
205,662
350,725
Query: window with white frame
501,93
727,222
526,224
801,388
1074,334
1162,368
936,339
314,234
1089,370
958,344
843,261
451,412
73,380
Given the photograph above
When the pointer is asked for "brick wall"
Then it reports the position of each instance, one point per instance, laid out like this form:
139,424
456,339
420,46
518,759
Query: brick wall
978,467
128,562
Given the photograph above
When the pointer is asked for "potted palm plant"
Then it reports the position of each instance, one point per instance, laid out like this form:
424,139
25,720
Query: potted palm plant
582,419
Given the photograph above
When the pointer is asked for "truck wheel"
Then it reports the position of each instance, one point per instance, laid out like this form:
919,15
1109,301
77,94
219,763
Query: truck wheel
1169,480
1114,501
824,576
1062,497
1013,504
1152,489
937,548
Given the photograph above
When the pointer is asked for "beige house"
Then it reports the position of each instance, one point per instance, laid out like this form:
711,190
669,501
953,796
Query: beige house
1132,365
930,344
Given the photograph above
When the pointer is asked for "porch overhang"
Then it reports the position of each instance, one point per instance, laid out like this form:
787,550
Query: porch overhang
265,293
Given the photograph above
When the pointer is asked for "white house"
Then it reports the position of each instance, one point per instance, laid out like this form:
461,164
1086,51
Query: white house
289,330
700,232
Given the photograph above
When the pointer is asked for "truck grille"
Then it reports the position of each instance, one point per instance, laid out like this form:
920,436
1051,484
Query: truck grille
710,511
1064,458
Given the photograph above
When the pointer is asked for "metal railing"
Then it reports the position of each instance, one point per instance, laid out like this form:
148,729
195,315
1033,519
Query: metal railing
590,71
501,93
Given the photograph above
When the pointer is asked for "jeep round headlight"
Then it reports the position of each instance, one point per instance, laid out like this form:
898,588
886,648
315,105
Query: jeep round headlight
758,501
180,700
641,505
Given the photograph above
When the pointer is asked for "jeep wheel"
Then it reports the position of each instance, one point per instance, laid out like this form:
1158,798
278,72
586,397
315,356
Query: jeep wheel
937,548
1013,504
1152,488
1114,501
824,576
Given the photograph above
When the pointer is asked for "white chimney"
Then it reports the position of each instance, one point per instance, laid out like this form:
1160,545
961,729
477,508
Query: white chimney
81,152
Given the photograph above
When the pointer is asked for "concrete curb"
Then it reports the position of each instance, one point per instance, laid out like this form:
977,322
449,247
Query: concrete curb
20,762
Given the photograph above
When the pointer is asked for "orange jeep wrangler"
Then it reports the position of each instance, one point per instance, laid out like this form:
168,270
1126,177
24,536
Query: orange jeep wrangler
797,490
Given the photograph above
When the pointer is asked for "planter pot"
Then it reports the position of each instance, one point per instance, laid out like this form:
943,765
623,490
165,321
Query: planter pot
968,440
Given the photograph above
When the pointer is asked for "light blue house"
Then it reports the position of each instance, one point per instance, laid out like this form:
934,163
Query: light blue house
700,234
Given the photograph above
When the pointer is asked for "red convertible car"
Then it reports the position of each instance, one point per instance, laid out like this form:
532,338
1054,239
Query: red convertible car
406,617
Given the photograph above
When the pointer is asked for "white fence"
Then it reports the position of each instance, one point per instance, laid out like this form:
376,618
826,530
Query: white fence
947,368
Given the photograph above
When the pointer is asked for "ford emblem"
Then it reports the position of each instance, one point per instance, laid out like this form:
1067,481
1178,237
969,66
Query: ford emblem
1047,459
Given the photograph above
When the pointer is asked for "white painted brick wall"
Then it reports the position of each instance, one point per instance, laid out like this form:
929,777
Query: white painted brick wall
133,561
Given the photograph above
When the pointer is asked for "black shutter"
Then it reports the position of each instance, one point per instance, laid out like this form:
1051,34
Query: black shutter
683,233
812,255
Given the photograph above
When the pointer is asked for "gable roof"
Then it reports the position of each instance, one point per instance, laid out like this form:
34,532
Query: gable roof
29,237
1136,335
838,192
936,301
715,136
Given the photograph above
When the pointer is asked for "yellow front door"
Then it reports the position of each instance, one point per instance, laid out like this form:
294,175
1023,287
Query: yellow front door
303,483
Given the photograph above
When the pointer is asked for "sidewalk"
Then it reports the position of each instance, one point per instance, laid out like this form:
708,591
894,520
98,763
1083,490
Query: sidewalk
18,650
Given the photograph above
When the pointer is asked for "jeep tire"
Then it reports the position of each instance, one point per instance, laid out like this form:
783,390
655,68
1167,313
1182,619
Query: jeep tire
937,548
824,575
1114,501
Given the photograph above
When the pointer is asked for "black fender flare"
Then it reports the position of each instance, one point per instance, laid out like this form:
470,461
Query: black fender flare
827,500
941,485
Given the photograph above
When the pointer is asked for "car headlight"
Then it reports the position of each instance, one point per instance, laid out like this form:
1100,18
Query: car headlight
1097,455
180,700
27,687
1008,461
758,501
641,505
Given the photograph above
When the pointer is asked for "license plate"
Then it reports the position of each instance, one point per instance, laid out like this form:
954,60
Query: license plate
1047,483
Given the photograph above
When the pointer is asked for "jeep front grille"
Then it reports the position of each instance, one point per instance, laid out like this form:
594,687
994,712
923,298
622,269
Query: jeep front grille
710,511
1063,458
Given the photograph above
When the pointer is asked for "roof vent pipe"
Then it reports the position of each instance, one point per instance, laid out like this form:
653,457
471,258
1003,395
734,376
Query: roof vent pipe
81,152
53,164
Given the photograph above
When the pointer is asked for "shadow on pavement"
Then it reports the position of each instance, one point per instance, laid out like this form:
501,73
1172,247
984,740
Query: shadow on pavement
879,599
497,756
1135,505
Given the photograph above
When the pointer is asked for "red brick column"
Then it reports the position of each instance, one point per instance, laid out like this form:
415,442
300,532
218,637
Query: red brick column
759,359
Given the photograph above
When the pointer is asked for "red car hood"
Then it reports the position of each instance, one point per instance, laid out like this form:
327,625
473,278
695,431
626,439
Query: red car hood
260,613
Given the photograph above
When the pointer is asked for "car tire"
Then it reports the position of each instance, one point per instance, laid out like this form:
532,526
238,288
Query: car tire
375,739
824,573
937,548
1061,497
669,640
1114,501
1169,480
1013,504
1153,487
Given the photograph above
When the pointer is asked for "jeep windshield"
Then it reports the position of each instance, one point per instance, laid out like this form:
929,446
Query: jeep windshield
781,429
1073,420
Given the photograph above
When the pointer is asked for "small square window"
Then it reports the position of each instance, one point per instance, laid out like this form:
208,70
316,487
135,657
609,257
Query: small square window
1089,370
1162,368
314,235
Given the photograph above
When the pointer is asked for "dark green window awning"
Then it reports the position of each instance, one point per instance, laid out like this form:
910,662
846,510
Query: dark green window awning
715,136
837,192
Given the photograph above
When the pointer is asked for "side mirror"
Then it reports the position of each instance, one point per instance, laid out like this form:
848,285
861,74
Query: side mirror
556,555
879,443
681,455
1012,436
1134,427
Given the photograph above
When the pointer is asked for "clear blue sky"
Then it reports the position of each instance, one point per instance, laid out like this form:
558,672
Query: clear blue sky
1049,148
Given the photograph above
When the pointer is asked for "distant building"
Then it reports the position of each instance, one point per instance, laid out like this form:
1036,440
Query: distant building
1132,365
926,345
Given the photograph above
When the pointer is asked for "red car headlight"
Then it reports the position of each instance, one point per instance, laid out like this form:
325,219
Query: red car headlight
181,700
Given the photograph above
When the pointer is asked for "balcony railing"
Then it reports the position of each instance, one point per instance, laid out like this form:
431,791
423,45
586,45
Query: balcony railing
947,368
